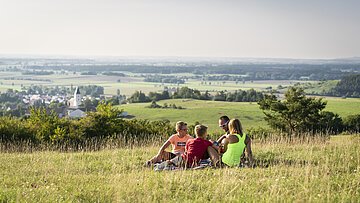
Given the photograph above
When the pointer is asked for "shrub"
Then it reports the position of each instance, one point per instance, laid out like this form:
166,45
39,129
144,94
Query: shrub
13,130
352,123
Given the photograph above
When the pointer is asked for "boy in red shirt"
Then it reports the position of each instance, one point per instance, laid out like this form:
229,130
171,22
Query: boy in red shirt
194,150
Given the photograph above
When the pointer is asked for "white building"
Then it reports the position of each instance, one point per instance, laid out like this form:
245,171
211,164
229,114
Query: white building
74,111
77,98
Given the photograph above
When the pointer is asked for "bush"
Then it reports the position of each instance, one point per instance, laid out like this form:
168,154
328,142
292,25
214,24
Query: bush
97,128
330,123
42,124
352,123
145,129
13,130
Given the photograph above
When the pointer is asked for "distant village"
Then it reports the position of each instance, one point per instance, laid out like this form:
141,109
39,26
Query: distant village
74,106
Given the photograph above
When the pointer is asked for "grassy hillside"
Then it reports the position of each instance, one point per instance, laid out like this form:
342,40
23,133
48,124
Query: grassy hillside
208,112
310,172
320,87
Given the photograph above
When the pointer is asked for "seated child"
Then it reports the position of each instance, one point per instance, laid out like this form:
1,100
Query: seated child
177,141
195,150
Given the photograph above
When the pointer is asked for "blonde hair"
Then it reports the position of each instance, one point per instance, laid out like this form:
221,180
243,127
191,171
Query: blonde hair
180,124
200,130
235,126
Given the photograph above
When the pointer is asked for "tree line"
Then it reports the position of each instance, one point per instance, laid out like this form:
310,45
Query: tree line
164,79
188,93
272,71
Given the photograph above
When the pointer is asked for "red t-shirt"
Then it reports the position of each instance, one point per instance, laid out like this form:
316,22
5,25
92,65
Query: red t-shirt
195,150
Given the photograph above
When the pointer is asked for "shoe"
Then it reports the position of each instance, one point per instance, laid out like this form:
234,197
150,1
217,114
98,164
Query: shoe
161,166
205,162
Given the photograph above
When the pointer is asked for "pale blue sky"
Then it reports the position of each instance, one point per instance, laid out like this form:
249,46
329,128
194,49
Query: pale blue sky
206,28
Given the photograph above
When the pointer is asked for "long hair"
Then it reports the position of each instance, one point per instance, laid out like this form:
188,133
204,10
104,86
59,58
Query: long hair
235,126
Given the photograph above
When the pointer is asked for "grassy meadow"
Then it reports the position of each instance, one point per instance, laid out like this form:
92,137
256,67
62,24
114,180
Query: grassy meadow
313,171
316,171
208,112
205,112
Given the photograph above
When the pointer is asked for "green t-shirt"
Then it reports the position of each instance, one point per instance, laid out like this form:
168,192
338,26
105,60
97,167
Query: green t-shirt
234,151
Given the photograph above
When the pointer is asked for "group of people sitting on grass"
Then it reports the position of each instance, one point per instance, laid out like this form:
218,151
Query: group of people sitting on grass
188,152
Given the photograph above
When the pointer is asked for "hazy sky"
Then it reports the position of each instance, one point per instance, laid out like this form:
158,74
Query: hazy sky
222,28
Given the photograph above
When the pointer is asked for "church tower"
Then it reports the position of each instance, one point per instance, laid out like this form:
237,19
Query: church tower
77,97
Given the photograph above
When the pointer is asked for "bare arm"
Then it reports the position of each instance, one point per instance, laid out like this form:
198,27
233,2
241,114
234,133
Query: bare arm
224,144
221,138
248,150
163,147
215,147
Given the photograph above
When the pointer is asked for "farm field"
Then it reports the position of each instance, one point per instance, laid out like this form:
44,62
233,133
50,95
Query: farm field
299,172
343,107
208,112
127,85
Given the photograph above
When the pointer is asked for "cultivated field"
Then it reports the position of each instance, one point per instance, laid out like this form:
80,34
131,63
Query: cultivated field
314,171
129,84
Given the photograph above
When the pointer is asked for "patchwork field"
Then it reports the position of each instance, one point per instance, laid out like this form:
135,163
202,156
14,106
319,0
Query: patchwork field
127,85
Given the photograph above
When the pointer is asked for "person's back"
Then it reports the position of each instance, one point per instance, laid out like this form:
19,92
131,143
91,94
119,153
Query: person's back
232,156
235,144
195,150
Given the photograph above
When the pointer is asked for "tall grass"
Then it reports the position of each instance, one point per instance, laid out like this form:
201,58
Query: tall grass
316,170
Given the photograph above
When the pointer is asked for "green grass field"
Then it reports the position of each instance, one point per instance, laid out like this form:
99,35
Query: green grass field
205,112
310,172
343,107
208,112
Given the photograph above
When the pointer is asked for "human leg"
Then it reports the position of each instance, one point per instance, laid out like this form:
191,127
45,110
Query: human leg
160,158
214,156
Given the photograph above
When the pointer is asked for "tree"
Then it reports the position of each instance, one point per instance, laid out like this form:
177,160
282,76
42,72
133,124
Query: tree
352,123
138,97
88,104
295,114
330,123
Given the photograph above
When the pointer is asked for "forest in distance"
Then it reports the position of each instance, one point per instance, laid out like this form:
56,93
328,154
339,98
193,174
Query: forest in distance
256,69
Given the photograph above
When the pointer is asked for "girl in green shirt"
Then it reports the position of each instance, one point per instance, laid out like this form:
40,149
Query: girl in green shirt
235,144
